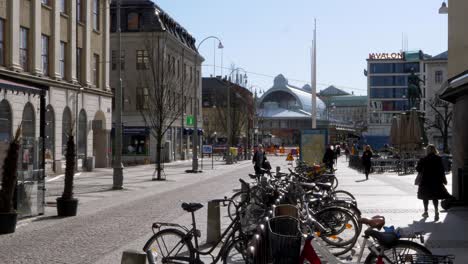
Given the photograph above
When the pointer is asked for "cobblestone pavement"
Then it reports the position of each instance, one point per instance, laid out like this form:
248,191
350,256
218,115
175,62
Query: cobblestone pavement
109,222
395,198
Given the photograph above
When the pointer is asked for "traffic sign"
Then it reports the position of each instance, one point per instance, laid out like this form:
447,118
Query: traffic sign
207,149
189,120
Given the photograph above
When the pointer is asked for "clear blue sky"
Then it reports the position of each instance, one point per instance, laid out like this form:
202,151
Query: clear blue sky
274,36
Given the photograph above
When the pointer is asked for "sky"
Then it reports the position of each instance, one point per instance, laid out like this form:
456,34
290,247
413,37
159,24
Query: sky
269,37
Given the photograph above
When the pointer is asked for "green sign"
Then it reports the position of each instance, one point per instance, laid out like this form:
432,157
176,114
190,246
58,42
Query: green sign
189,120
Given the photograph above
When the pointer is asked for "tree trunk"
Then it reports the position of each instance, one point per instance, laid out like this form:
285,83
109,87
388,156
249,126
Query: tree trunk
158,157
445,139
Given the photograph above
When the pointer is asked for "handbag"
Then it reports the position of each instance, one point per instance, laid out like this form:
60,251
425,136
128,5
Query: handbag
418,179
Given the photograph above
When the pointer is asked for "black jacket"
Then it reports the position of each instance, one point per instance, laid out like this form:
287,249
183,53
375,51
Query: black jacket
433,178
329,156
366,158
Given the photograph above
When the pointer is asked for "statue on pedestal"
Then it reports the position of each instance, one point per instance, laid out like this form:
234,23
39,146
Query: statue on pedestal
414,90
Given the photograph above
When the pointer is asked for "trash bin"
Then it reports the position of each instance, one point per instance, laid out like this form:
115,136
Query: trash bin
284,239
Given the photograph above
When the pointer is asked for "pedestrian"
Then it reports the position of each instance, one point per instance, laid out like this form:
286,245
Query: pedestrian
366,160
431,180
337,153
346,152
328,158
258,159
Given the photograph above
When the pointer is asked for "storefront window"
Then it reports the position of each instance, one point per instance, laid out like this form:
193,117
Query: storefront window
50,133
66,128
135,141
82,134
29,121
5,121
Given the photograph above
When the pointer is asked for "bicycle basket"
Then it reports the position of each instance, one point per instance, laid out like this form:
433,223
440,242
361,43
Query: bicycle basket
426,259
286,210
284,239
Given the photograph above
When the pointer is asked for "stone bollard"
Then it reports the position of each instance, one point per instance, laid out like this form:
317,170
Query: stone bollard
133,257
213,233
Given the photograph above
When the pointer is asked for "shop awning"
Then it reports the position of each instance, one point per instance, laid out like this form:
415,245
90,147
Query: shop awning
455,87
14,86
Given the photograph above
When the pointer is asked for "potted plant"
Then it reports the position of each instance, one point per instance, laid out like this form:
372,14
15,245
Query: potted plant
8,215
66,204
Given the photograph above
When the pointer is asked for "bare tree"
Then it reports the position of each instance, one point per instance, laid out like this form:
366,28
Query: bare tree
443,116
162,98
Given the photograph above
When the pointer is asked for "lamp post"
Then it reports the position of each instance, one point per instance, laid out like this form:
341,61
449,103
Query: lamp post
195,116
117,166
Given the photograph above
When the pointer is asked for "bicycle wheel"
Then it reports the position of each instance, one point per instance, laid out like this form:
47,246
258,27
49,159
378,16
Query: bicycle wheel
170,246
342,227
236,252
397,253
234,204
342,195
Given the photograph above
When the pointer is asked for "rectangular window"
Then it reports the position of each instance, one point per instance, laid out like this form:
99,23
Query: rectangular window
78,64
115,61
2,42
78,11
439,76
96,14
62,59
96,70
142,60
63,6
45,55
142,98
24,37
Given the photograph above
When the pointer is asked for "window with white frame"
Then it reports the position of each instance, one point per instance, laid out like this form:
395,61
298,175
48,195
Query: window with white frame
45,55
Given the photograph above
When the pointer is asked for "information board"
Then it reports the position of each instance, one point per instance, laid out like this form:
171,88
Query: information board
313,145
207,149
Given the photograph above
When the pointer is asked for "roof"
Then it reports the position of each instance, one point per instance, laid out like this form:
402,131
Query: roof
281,113
348,100
303,97
332,91
441,56
153,18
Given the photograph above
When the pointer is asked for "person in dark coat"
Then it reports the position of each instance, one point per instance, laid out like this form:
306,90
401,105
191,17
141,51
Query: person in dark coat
259,158
366,160
329,158
432,181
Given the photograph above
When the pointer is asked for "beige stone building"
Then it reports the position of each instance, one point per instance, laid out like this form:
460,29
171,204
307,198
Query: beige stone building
142,21
456,92
54,70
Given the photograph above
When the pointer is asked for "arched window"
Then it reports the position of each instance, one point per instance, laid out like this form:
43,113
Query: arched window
66,128
82,134
133,21
5,121
29,122
50,133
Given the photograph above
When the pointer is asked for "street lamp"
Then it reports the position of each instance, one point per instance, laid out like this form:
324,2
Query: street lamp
195,117
444,8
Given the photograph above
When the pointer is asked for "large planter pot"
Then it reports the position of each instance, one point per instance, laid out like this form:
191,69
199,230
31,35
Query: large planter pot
8,223
67,207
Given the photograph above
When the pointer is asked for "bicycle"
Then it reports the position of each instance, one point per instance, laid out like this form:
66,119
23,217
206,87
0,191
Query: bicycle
178,244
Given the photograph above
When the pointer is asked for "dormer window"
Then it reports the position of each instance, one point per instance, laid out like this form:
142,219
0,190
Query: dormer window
133,21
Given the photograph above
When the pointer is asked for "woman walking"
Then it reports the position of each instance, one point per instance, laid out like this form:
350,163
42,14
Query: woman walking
431,181
366,160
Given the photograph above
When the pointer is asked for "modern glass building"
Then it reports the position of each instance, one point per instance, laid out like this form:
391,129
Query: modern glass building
387,82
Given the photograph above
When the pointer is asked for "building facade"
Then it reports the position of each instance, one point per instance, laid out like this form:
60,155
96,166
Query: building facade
456,92
387,82
284,110
171,47
436,77
54,79
215,112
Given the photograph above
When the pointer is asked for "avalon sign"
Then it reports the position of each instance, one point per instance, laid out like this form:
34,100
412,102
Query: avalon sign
387,56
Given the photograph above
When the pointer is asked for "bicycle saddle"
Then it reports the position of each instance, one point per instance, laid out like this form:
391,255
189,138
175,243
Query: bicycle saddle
191,207
385,239
376,222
